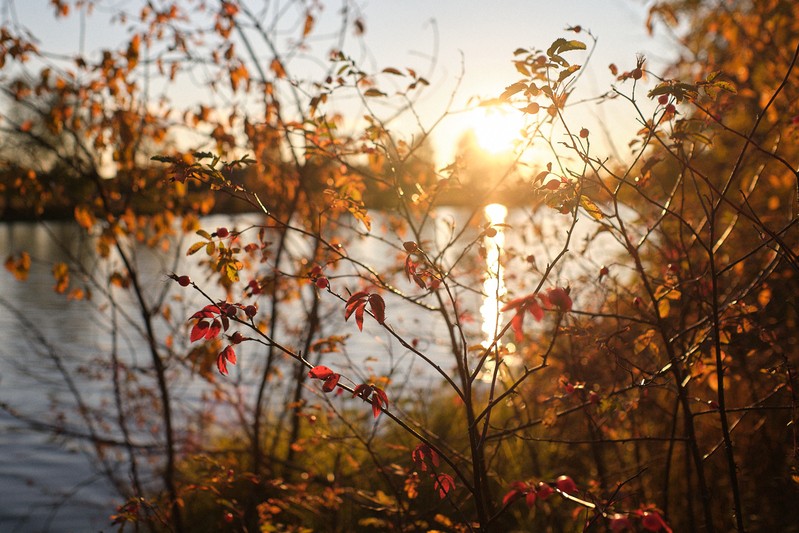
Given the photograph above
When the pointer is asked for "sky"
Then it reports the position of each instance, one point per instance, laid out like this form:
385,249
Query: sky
482,35
442,39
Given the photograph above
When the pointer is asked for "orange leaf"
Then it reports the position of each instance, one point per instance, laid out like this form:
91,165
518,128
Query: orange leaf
277,68
309,23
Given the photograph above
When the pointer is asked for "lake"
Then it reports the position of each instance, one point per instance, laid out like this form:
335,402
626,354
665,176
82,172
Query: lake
51,483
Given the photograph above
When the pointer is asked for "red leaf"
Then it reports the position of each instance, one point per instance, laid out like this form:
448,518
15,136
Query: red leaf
230,355
381,395
517,324
378,307
225,356
206,312
359,315
198,331
513,304
443,484
331,382
363,390
535,310
511,497
320,372
529,498
410,267
355,301
213,330
424,454
376,406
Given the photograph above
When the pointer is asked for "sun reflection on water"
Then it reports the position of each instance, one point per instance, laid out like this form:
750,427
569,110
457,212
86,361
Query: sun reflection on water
493,284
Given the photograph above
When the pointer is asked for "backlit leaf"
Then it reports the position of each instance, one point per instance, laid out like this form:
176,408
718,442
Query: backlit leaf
378,307
196,247
591,208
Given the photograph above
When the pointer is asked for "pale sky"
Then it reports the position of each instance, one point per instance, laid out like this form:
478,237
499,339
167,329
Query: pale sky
476,36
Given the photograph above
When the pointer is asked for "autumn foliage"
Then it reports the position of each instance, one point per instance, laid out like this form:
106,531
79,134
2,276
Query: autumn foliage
636,366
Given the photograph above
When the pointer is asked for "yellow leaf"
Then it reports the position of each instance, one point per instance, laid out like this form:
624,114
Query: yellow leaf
591,208
644,341
19,267
194,248
61,275
84,217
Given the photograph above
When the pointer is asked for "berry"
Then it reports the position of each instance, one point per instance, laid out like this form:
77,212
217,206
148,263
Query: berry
566,484
544,491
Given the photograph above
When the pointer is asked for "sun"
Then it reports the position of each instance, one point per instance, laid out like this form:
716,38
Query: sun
496,128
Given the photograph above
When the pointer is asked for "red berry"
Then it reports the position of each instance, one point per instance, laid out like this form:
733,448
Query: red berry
236,338
222,232
670,109
491,232
410,246
322,282
566,484
663,99
184,281
619,522
652,521
228,517
250,310
637,73
544,491
584,133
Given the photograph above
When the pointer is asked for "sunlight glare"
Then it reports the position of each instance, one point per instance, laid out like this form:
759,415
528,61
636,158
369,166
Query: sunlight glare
493,285
496,129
